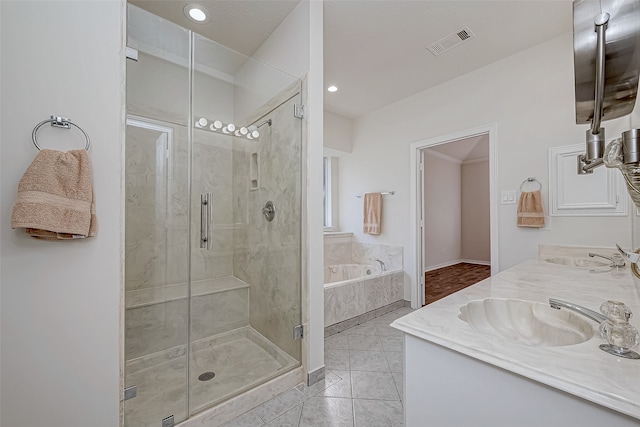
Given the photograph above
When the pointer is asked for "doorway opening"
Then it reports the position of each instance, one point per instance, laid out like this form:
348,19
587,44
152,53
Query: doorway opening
455,227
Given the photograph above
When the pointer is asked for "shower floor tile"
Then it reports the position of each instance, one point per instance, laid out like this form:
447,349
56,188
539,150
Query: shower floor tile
240,360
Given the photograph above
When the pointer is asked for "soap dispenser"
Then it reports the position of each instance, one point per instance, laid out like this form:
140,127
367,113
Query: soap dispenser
617,331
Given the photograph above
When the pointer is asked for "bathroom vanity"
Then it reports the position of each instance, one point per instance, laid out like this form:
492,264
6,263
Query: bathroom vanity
459,373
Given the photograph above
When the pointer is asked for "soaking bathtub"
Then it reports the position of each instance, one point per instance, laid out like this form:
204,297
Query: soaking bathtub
351,290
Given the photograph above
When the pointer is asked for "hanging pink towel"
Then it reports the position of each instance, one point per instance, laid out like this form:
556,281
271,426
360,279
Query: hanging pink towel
530,210
372,213
55,197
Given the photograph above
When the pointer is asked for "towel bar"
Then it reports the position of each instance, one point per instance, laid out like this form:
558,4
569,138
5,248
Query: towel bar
392,193
531,179
60,122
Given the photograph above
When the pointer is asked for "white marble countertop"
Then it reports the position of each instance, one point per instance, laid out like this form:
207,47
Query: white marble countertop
582,369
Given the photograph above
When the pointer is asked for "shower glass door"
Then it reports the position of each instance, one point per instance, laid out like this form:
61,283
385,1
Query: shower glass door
212,223
245,264
156,222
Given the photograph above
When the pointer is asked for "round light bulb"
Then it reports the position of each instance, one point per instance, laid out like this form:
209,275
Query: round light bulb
255,134
202,121
217,124
231,127
196,13
243,130
225,130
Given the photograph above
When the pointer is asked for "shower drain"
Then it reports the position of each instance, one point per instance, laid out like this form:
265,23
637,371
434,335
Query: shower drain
206,376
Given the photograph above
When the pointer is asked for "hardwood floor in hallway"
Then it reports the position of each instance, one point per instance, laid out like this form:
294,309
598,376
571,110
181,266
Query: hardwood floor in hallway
447,280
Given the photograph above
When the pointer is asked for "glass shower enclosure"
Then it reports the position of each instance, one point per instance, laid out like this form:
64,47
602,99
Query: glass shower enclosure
212,223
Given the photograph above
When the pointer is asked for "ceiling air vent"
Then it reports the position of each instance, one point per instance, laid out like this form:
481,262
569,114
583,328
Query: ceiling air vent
450,41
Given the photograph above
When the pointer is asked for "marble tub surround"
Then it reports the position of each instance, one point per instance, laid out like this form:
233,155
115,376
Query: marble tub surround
352,298
338,248
348,299
342,248
582,369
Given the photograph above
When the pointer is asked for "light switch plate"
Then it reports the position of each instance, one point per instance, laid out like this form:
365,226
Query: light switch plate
508,197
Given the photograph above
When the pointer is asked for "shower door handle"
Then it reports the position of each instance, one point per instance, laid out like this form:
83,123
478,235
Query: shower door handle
206,220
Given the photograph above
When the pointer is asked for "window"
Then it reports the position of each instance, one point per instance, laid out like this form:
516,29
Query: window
330,190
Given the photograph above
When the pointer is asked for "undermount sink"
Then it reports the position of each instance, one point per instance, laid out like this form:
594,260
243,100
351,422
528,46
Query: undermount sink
577,262
527,322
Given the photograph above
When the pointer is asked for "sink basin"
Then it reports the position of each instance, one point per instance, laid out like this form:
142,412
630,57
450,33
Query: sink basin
527,322
577,262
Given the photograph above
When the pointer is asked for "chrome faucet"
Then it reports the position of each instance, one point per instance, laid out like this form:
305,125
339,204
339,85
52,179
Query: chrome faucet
616,260
558,304
383,267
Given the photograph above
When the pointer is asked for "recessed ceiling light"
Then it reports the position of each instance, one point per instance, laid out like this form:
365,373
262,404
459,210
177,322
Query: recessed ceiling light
332,88
196,13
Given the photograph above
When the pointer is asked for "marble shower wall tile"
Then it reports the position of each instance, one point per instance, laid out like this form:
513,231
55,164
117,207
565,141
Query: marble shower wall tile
219,312
156,203
155,327
267,254
161,326
212,172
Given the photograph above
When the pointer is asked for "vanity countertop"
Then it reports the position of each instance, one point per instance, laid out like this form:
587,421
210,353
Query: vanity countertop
581,369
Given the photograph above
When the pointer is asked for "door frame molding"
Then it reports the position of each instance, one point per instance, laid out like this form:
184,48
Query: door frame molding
416,197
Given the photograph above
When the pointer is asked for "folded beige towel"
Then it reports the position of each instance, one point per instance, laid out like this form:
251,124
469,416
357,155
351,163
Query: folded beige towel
530,210
55,197
372,213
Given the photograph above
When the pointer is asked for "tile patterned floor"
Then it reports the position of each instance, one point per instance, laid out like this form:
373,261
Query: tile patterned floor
362,385
447,280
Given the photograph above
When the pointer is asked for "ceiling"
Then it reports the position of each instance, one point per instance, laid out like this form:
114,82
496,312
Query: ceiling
375,50
466,149
242,25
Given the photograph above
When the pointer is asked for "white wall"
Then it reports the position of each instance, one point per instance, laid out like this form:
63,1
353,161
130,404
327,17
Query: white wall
530,98
338,132
476,230
442,211
296,48
61,301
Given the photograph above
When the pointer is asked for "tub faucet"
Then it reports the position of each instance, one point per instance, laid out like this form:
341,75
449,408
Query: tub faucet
616,260
558,304
383,267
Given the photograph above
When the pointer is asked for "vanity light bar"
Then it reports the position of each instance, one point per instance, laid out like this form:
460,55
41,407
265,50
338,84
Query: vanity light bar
227,129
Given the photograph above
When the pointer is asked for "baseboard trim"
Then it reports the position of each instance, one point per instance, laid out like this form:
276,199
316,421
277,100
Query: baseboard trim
354,321
477,262
458,261
315,376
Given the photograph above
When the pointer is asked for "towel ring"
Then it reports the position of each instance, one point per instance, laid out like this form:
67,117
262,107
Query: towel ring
529,180
60,122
